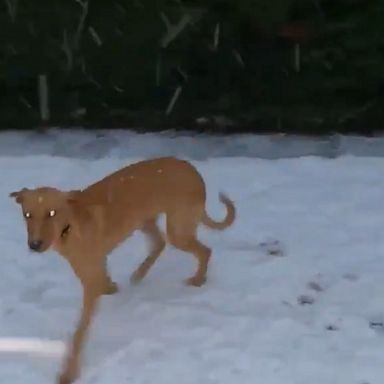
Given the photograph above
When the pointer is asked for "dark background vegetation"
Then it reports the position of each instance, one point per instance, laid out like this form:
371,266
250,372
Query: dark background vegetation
302,66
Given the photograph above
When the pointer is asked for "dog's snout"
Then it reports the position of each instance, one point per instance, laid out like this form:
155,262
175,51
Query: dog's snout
35,245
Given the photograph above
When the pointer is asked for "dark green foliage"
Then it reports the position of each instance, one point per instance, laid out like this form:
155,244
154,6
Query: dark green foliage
110,65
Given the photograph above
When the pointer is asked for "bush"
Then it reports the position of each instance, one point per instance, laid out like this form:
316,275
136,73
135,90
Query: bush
269,65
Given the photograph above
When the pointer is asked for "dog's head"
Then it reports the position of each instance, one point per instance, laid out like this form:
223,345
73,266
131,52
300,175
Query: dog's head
47,212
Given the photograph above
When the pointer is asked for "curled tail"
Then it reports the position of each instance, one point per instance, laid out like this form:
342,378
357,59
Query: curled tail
229,218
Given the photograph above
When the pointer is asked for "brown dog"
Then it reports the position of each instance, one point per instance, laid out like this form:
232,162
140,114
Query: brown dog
85,226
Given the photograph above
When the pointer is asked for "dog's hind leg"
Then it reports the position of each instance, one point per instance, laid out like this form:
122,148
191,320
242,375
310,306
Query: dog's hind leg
110,287
157,242
182,234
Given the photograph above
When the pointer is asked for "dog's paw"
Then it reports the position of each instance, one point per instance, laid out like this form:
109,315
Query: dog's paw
66,378
136,277
111,289
70,374
196,281
63,380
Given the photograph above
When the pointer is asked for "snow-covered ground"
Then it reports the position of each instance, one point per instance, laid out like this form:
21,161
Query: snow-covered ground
295,293
98,144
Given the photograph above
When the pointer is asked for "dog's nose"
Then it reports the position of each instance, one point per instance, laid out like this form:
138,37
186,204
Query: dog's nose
35,245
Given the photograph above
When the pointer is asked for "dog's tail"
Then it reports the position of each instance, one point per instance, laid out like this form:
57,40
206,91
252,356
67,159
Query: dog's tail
229,219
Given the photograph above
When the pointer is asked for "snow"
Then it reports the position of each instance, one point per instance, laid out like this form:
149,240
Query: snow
87,144
295,287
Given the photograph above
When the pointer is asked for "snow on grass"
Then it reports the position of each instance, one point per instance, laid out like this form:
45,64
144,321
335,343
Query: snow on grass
97,144
294,294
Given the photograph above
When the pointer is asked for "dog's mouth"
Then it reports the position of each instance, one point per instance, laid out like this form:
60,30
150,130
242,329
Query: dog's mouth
39,250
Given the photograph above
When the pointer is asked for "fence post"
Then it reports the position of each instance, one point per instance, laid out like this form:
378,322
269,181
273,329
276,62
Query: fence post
43,92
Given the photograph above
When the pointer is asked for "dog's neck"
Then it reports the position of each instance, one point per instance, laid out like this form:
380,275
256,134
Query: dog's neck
82,226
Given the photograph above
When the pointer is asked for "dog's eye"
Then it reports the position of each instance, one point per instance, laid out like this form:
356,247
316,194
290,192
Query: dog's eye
27,215
51,213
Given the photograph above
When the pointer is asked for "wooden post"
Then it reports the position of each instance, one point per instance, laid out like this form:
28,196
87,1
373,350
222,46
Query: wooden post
297,55
43,98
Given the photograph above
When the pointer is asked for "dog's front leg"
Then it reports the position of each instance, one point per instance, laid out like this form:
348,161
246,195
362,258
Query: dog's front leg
71,371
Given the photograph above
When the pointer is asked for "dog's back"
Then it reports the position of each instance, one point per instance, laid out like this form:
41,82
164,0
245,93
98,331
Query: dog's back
142,191
151,185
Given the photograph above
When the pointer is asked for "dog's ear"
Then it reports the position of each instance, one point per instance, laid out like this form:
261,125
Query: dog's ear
19,195
72,196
